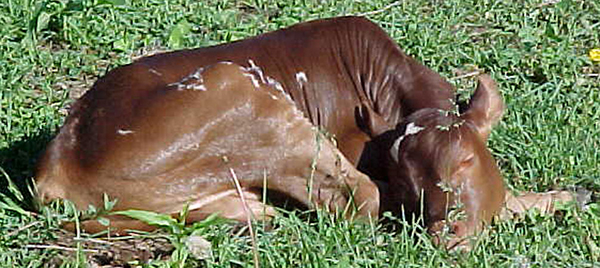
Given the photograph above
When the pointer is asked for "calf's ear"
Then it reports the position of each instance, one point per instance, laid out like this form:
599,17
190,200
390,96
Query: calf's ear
486,107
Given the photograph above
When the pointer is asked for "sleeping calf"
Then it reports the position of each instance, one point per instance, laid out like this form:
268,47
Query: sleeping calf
175,128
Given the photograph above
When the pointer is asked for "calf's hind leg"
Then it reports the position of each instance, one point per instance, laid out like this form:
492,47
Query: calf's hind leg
228,205
231,206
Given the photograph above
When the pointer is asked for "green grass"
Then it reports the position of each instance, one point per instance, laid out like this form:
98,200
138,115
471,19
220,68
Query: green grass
50,51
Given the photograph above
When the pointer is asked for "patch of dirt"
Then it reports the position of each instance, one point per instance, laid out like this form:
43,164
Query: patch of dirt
110,252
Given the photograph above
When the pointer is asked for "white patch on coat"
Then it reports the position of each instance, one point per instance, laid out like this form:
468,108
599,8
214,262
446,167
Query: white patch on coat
155,72
411,129
193,81
301,78
255,71
124,132
253,78
274,83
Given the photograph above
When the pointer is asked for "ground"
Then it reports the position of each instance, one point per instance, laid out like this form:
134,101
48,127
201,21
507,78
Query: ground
539,52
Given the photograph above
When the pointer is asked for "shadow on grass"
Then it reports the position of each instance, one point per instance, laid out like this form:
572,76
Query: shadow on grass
18,162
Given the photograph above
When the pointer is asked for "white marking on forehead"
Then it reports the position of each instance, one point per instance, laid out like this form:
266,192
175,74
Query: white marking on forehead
301,78
411,129
124,132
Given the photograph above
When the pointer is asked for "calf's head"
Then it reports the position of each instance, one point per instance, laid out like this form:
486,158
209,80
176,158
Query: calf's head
440,159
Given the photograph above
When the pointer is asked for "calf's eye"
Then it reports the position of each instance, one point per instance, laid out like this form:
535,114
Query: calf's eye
468,161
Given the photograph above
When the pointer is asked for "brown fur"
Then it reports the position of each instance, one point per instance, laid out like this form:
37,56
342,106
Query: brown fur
155,137
180,149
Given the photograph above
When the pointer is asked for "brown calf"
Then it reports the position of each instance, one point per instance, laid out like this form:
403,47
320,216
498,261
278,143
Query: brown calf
169,129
